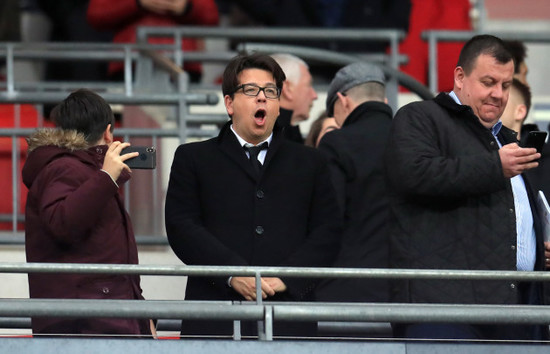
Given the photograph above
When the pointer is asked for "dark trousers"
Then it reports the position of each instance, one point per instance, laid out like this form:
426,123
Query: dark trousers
530,295
461,331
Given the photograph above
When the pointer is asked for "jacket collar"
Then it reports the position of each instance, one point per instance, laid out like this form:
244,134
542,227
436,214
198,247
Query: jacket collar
285,116
66,139
49,144
228,143
443,99
366,110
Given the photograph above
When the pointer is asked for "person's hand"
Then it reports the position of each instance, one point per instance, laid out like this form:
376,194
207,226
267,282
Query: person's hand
165,7
515,160
246,286
114,162
276,284
547,254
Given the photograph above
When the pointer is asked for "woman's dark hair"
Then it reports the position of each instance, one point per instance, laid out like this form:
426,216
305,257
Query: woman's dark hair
483,44
315,129
252,61
85,112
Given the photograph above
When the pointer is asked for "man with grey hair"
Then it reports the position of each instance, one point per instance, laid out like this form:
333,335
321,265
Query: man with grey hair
357,100
297,95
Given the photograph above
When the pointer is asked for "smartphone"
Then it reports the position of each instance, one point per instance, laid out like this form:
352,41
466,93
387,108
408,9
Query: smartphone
147,158
535,139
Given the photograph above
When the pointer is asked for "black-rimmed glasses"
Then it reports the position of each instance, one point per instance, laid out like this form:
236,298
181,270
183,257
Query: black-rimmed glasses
253,90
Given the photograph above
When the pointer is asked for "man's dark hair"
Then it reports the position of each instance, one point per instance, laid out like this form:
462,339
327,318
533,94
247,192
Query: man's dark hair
525,93
253,61
85,112
518,51
479,45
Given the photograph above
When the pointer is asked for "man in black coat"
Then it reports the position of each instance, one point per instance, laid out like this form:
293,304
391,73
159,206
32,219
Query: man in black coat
222,208
459,198
357,100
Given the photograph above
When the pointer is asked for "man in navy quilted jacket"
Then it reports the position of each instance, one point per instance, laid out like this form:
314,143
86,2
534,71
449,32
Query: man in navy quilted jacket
459,199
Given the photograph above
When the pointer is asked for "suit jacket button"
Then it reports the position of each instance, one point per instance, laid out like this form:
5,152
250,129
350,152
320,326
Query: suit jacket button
260,194
259,230
105,290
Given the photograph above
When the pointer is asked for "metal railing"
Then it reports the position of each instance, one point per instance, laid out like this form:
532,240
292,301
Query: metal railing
246,34
141,87
266,312
174,94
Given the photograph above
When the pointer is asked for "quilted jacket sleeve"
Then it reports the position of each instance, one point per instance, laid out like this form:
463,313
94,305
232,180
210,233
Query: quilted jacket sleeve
428,156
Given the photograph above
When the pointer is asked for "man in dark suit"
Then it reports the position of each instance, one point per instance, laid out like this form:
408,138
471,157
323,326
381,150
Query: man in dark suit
276,208
357,100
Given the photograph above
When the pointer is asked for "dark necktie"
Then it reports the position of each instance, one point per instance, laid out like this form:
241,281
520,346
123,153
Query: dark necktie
253,151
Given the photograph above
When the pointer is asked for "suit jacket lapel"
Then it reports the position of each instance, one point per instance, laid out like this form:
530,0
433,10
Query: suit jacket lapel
230,146
273,147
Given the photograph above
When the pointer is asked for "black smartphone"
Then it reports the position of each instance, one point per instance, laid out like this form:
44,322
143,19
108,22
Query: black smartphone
147,158
535,139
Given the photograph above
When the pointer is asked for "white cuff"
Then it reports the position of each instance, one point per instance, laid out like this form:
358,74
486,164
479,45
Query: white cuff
112,179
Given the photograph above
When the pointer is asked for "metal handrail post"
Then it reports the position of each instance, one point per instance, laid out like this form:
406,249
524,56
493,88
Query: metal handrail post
432,61
237,330
14,187
10,71
259,300
268,320
482,13
128,79
182,108
127,203
178,51
155,194
258,282
392,86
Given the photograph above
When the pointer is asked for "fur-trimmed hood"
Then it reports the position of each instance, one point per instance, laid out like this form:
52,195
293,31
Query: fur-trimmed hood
48,144
67,139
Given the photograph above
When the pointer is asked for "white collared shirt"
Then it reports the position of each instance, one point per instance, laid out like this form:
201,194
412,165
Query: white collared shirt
242,142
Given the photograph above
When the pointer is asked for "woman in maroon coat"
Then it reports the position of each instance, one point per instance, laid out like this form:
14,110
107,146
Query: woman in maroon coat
74,214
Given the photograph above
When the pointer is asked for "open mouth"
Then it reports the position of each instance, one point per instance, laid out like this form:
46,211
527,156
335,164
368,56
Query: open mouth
259,116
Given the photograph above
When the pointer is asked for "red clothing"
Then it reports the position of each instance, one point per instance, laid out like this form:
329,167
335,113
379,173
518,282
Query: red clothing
434,15
124,16
74,214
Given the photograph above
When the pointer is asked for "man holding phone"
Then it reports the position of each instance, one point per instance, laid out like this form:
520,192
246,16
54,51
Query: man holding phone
459,199
74,214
